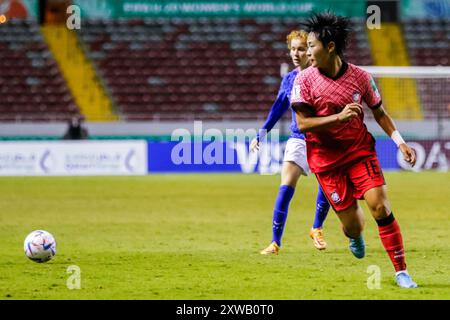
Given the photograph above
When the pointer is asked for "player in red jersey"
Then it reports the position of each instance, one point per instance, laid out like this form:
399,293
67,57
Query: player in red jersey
328,98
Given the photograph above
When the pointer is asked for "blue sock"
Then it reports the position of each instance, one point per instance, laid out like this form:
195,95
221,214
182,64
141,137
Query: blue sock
322,208
280,212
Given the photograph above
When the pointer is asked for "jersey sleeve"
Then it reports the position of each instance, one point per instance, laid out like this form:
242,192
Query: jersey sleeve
279,107
300,94
371,94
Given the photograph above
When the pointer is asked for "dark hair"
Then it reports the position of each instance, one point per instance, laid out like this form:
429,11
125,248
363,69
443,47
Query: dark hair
329,27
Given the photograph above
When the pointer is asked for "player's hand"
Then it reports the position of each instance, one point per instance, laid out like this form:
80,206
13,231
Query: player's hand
408,154
349,112
254,145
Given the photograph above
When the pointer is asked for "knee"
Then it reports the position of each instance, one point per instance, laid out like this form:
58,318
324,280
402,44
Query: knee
289,179
380,209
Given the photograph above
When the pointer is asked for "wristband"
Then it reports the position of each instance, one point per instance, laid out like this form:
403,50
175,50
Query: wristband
397,138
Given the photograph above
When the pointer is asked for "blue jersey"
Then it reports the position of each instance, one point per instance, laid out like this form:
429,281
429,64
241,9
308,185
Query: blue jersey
281,105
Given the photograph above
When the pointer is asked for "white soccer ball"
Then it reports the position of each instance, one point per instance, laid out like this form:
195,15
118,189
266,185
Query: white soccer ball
40,246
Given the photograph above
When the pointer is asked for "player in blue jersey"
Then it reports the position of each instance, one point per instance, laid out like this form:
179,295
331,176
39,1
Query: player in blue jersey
294,162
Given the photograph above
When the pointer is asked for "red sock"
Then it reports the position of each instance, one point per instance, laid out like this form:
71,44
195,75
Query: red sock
391,237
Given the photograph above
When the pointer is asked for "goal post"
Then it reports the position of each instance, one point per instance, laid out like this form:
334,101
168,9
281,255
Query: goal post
421,72
418,94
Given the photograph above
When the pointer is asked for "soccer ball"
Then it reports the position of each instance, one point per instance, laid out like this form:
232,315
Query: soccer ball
40,246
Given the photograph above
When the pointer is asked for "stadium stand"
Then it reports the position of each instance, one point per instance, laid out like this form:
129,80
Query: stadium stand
428,45
206,68
186,68
31,85
428,41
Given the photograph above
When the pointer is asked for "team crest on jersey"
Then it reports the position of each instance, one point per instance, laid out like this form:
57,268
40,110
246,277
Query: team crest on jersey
335,197
356,96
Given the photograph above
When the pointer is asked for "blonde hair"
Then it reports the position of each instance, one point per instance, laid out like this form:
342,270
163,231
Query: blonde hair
296,34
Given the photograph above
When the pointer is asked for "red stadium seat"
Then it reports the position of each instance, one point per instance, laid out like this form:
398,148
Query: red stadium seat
30,82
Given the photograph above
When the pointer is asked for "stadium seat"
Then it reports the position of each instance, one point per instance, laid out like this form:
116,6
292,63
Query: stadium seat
31,84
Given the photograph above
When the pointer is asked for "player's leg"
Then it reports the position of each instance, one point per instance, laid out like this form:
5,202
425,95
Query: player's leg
322,208
290,173
296,154
369,183
294,166
339,191
390,233
352,220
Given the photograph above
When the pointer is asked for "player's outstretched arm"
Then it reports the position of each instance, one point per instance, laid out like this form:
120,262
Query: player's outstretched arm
308,123
385,121
279,107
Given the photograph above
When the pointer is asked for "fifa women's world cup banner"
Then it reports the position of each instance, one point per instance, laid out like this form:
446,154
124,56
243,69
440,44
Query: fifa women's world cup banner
186,155
178,8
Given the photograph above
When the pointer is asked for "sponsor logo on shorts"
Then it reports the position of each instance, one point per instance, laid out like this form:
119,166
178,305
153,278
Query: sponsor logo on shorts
335,197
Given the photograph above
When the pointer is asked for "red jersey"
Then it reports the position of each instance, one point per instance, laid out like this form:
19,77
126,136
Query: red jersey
321,96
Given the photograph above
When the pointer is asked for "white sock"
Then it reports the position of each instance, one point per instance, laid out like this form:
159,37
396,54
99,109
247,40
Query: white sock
402,271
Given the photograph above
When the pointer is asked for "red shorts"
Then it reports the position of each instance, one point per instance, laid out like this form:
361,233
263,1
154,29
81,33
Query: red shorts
344,185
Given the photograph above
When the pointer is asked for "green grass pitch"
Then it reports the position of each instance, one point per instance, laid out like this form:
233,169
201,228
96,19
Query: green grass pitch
199,237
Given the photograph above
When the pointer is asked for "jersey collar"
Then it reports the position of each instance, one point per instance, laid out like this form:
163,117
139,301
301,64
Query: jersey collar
341,72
